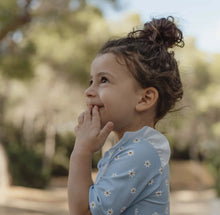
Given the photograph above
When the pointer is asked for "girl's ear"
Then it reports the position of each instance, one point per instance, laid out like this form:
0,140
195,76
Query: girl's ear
148,99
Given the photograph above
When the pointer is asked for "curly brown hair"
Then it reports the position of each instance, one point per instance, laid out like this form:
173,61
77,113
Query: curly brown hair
148,57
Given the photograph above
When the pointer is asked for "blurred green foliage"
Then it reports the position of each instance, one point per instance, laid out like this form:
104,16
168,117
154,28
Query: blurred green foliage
64,147
46,48
213,163
26,163
26,167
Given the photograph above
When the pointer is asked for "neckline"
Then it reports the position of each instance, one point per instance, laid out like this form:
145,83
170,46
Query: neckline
128,135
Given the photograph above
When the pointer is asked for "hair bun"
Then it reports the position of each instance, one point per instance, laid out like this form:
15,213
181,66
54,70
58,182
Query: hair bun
163,32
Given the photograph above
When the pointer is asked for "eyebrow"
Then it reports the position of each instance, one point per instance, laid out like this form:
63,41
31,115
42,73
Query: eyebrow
102,73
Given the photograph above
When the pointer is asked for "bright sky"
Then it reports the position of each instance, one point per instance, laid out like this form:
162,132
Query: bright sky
197,18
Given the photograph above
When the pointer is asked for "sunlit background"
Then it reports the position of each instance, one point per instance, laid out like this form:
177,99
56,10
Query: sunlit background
197,18
46,47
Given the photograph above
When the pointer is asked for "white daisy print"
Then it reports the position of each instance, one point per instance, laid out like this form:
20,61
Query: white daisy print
161,170
109,211
155,213
107,193
167,210
120,148
131,173
133,190
92,204
130,153
136,211
158,193
116,157
136,140
123,209
151,182
114,174
167,182
147,163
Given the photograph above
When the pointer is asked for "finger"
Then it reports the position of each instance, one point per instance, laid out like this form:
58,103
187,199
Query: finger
95,114
106,130
88,113
81,118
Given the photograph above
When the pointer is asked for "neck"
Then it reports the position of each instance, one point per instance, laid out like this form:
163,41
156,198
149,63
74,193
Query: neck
138,125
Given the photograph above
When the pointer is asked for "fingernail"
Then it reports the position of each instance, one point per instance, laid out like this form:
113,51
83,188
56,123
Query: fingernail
111,125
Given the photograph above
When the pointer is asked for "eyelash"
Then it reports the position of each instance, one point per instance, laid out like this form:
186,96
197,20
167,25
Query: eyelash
101,80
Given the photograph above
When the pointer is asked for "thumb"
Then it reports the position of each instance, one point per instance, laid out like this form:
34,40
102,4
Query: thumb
106,130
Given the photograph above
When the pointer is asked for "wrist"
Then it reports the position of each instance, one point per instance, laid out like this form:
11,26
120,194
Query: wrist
84,152
84,147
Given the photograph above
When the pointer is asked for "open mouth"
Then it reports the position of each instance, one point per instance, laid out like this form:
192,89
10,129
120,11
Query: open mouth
99,106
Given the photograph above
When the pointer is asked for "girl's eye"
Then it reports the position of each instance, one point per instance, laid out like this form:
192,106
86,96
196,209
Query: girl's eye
104,80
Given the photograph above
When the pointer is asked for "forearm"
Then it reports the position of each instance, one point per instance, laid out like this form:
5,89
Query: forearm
79,182
90,137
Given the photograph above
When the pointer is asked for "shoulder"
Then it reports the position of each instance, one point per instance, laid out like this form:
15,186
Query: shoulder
136,152
146,142
161,145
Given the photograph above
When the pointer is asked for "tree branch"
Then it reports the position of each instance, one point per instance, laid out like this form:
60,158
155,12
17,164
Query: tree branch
18,21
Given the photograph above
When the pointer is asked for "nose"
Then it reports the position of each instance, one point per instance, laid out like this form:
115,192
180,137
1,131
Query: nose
90,91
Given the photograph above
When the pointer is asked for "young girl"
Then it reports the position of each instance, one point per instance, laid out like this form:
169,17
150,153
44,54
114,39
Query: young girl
134,82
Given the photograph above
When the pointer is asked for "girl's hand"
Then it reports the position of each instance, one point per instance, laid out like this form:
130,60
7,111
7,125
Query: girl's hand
90,137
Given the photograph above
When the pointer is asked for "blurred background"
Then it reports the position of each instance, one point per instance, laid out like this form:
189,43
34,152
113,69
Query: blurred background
46,47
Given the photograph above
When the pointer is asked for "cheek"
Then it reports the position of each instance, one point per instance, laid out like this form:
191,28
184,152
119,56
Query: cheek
115,101
111,106
107,98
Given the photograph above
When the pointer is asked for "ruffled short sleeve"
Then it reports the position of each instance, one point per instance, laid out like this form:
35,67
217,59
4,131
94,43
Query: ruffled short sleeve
131,174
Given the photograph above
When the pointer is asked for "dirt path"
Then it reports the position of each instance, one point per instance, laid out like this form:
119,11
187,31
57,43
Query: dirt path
196,199
27,201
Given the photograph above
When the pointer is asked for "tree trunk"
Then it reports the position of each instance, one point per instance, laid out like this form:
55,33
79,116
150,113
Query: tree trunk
4,174
49,146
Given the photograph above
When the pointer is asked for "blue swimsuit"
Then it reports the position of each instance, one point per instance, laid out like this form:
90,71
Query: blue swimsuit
133,176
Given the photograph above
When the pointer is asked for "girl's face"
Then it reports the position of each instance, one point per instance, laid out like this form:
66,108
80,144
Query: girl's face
114,90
